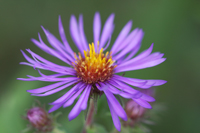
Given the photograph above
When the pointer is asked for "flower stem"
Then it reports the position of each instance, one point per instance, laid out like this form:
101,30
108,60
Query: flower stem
89,118
90,114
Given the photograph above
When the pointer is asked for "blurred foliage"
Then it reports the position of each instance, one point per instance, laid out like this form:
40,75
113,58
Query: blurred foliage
96,129
173,26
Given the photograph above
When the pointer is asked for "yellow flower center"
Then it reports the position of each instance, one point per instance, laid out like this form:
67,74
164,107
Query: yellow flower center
95,66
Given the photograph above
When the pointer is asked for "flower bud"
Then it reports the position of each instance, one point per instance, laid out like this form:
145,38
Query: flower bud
134,110
39,119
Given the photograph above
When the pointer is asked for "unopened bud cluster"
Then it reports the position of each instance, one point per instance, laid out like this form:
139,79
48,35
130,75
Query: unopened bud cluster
40,119
134,111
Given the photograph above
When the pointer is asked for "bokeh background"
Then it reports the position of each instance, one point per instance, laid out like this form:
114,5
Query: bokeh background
173,26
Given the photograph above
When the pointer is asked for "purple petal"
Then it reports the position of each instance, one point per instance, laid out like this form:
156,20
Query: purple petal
135,50
49,50
57,44
127,40
71,100
49,65
55,90
81,104
107,30
55,107
147,98
68,94
28,58
63,37
108,43
140,66
49,79
116,105
82,34
151,57
139,57
47,88
155,55
54,75
143,103
122,35
114,90
155,82
124,87
142,83
34,66
126,80
41,46
115,118
48,62
74,30
96,28
136,41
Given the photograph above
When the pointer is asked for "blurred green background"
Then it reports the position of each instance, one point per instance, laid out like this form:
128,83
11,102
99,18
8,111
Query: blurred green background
173,26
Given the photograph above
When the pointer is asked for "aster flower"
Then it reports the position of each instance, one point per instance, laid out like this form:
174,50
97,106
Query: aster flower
93,71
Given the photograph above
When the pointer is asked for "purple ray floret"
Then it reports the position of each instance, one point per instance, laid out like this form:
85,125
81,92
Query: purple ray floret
92,71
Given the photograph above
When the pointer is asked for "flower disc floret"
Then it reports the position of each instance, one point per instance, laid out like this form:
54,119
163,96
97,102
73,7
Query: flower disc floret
94,67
